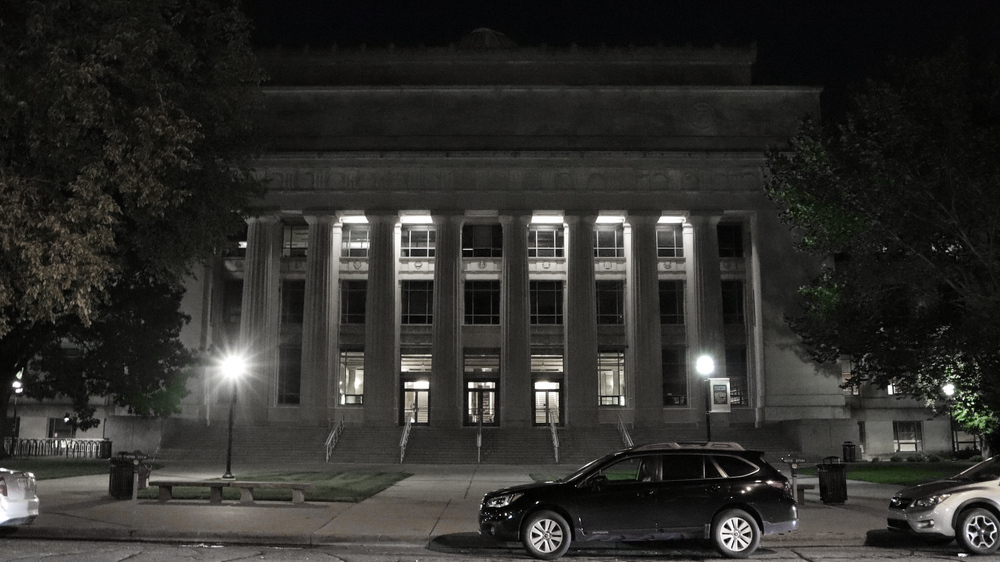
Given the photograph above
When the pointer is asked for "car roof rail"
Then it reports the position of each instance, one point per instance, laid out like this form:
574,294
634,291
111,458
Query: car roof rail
712,445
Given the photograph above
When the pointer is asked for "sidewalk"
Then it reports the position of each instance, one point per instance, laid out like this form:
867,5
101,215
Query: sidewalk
439,502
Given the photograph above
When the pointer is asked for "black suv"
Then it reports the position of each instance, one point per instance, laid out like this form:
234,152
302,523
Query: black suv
717,491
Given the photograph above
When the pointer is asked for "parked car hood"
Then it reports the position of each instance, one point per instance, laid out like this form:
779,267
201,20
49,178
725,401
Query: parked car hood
939,486
524,488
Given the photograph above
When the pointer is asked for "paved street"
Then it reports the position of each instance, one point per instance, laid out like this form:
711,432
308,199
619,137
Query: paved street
437,550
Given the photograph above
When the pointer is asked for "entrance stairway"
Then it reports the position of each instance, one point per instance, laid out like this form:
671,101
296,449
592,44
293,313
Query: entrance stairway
287,444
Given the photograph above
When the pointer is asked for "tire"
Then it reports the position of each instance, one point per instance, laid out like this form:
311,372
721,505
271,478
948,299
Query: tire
978,531
546,535
735,534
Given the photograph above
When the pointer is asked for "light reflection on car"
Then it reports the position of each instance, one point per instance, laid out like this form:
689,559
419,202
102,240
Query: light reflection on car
18,500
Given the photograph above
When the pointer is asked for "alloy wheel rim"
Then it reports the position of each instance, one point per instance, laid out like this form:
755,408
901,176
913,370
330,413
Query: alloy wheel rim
736,534
546,535
981,532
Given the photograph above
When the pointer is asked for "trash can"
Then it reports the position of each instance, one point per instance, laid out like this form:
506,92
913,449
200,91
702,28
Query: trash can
123,466
850,452
832,481
104,449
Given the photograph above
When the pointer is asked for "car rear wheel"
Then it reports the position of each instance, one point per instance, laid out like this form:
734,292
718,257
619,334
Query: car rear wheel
546,535
735,534
978,531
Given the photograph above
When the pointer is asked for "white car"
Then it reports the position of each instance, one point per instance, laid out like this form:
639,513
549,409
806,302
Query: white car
965,507
18,502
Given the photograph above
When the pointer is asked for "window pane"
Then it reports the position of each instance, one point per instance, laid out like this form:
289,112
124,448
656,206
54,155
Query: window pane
736,370
416,302
289,374
609,242
546,304
354,242
671,302
545,241
352,301
611,373
674,377
732,302
730,240
610,302
417,242
482,241
295,241
669,242
293,301
482,302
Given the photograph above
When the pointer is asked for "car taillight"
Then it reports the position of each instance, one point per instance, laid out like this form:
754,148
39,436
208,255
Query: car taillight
782,485
3,487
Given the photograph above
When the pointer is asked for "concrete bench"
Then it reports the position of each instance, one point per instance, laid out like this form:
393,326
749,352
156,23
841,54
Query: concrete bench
166,487
800,491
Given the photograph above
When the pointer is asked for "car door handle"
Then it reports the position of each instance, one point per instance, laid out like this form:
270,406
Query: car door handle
646,493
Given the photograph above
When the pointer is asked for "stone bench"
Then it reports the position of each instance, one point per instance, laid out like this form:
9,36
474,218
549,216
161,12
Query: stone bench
801,491
166,487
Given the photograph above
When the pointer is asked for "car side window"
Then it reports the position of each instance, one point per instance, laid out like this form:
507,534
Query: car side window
734,467
635,469
683,467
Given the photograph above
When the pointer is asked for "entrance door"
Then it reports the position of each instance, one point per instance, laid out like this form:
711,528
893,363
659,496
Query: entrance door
481,403
416,402
548,396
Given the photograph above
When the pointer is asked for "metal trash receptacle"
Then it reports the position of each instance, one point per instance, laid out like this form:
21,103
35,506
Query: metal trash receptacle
832,481
850,452
123,467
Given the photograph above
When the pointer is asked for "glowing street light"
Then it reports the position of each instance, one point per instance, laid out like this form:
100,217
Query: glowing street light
948,389
233,367
705,366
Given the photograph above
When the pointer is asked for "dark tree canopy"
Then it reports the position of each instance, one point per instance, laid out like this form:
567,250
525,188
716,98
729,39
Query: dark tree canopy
125,143
902,199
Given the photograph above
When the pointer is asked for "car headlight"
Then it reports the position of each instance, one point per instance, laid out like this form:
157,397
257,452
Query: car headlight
930,501
502,501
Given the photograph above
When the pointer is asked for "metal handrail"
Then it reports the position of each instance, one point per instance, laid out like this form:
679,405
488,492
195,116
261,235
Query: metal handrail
623,431
555,436
331,440
406,433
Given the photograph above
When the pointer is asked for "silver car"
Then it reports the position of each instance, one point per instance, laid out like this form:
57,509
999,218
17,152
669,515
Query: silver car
965,507
18,502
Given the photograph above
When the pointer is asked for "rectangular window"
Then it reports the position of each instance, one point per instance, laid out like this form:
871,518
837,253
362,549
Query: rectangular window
732,302
671,302
352,301
417,302
610,302
289,374
611,373
847,387
546,302
609,242
293,300
674,376
482,302
352,378
295,241
354,242
730,240
669,241
417,242
482,241
907,436
546,364
545,241
736,370
232,301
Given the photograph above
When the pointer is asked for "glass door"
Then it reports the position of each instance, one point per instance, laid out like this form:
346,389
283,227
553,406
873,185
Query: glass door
548,396
416,402
481,403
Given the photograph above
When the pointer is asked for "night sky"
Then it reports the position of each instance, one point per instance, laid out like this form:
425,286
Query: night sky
832,43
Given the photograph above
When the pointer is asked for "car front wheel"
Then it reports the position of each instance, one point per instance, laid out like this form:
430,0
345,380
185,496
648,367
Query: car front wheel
546,535
735,534
978,531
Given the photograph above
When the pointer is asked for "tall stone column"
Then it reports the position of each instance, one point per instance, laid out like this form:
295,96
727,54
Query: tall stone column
704,279
446,364
515,329
380,322
644,321
580,355
259,320
319,324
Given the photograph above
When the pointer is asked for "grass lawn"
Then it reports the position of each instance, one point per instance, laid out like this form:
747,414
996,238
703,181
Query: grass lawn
328,486
47,468
900,473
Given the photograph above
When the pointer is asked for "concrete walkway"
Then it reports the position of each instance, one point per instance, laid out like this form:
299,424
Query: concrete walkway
438,502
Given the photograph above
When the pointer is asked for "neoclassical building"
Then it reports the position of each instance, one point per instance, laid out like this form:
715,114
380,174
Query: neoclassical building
485,234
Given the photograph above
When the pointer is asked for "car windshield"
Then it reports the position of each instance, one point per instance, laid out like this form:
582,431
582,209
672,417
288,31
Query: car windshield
986,470
584,469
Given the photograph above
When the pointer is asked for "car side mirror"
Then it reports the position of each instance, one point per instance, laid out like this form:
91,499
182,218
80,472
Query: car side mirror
597,482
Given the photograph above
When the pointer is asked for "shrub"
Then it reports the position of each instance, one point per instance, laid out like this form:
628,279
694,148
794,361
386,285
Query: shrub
976,458
896,458
933,458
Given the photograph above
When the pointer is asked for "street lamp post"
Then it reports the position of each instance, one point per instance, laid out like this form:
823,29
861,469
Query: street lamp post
233,367
705,366
18,387
949,391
